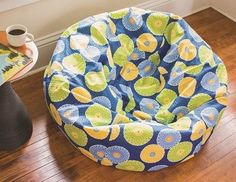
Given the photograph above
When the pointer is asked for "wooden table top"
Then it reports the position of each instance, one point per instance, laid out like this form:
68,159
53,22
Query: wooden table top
29,49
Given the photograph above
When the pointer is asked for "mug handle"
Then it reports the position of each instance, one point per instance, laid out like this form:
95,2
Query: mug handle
30,37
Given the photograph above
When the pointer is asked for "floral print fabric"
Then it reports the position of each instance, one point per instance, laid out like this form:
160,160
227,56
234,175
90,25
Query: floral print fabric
134,89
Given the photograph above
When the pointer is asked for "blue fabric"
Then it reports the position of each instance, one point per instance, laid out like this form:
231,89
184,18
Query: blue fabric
135,89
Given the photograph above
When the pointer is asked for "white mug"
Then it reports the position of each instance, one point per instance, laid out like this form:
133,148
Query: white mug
17,35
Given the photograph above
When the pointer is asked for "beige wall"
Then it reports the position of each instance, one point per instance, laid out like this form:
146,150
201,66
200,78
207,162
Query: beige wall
226,7
47,16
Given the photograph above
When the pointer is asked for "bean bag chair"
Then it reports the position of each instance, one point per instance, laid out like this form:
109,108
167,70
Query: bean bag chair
134,89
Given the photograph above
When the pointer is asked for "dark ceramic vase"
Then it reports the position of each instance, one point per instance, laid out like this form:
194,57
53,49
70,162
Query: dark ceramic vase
15,124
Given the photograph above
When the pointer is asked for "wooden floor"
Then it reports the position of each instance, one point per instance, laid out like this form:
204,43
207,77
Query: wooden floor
49,156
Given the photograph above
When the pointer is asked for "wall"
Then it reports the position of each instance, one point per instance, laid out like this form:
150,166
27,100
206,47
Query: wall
47,18
226,7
